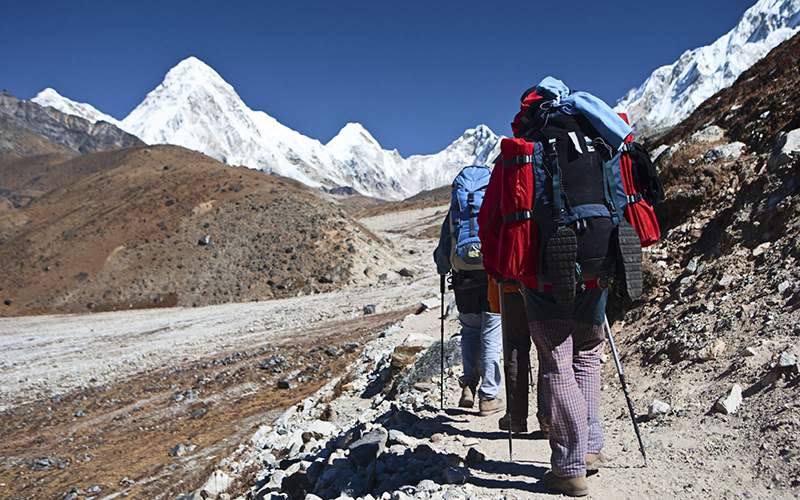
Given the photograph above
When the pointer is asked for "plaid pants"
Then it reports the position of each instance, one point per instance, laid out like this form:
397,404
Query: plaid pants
569,349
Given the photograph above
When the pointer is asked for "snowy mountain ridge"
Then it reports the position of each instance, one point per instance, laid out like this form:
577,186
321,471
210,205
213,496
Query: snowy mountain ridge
49,97
673,91
196,108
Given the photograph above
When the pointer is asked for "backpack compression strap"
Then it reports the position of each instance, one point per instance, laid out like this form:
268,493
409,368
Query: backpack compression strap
608,183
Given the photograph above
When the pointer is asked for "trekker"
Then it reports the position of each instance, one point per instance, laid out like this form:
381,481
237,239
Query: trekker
458,254
518,352
560,226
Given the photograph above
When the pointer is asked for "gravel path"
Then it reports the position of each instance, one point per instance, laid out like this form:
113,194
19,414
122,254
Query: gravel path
44,355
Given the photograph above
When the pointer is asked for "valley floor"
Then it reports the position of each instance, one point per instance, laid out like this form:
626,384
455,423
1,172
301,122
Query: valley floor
148,403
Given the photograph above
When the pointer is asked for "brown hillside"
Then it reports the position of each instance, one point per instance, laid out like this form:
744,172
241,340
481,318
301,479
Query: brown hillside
426,199
723,305
123,229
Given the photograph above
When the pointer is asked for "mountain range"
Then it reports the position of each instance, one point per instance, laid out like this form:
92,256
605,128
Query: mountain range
673,91
196,108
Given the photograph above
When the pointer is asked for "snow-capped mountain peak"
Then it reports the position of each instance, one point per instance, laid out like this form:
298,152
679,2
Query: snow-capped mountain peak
673,91
192,71
196,108
352,135
50,98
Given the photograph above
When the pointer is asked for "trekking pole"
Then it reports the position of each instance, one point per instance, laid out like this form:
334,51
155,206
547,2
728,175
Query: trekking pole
441,379
620,371
530,370
503,331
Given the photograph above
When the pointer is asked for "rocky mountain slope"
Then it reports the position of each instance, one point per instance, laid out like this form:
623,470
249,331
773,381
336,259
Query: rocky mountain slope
196,108
673,91
164,226
72,132
723,310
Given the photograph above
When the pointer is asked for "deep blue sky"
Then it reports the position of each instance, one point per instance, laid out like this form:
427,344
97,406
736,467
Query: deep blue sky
415,73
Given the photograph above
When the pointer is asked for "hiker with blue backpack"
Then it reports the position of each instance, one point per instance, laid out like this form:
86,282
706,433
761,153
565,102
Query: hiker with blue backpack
458,255
565,216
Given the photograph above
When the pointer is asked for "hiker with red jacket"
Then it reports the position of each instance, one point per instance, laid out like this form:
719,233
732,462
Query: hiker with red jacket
458,254
556,220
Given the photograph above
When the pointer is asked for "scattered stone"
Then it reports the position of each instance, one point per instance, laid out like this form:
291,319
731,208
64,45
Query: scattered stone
318,429
713,351
424,386
79,414
398,437
406,273
474,457
455,475
428,486
369,446
181,449
126,482
437,438
657,409
204,241
44,463
216,484
311,496
729,404
94,490
369,309
726,281
786,149
784,286
760,249
199,412
692,265
272,362
709,134
284,384
403,356
421,308
749,351
787,365
333,351
8,302
732,151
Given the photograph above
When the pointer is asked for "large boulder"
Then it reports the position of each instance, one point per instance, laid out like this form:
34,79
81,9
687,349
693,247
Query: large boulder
786,149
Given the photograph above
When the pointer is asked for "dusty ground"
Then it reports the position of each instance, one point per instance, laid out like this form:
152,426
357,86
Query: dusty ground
148,380
100,399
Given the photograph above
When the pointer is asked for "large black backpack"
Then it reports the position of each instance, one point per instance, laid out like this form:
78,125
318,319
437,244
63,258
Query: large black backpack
579,210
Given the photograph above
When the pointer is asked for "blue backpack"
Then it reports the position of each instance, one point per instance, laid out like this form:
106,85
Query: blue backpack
465,203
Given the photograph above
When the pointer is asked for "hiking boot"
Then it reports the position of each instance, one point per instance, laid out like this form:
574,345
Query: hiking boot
490,406
594,461
570,486
467,397
517,426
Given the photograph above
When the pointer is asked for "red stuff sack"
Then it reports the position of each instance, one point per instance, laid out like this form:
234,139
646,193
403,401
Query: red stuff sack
518,238
638,212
